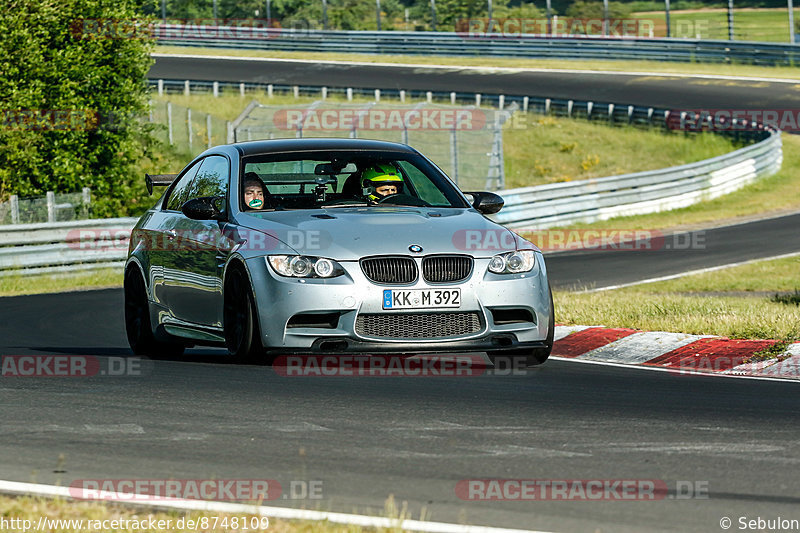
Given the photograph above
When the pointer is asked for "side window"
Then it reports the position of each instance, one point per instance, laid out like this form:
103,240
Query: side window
212,178
177,197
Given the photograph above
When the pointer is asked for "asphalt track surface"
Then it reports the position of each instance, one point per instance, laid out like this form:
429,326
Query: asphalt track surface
646,90
670,254
416,438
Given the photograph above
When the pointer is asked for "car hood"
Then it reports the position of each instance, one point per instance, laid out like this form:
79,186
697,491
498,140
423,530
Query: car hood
348,234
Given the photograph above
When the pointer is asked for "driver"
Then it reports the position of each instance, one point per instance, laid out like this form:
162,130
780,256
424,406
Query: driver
381,180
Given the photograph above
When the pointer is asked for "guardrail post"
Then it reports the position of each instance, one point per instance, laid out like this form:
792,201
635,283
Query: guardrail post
589,107
169,122
14,209
51,206
296,91
160,87
269,90
650,115
324,93
454,154
189,126
452,98
377,95
569,108
501,103
241,89
630,114
208,128
187,91
611,112
349,94
215,88
86,200
429,96
403,96
477,99
546,106
229,129
525,102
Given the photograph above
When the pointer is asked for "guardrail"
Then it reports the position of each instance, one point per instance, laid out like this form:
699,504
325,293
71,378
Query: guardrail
64,246
461,44
642,192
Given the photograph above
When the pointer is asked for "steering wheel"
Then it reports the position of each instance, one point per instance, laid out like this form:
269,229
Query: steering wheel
404,199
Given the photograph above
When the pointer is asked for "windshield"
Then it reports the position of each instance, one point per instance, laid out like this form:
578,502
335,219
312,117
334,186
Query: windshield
312,180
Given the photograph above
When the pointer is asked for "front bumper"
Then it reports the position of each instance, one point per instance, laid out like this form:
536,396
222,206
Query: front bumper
278,299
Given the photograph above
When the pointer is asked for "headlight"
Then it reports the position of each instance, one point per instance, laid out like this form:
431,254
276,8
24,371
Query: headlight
513,262
303,266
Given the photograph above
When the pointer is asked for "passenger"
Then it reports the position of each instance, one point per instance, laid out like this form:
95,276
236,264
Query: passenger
254,191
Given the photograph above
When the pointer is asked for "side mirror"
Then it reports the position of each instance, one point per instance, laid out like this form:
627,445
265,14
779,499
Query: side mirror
203,209
487,203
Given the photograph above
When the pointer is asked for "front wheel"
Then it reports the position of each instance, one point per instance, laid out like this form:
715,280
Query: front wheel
239,317
528,356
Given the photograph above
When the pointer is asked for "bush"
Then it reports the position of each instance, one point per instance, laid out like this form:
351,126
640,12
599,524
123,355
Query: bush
594,10
72,99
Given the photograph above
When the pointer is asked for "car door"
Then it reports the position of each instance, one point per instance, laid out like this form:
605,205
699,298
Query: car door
195,291
162,237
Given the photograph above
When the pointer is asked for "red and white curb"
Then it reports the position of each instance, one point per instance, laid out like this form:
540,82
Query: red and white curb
679,353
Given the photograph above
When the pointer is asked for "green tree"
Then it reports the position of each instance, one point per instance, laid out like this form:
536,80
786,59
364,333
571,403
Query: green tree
73,89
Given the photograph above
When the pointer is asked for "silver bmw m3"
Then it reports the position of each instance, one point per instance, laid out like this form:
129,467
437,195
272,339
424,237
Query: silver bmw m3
336,246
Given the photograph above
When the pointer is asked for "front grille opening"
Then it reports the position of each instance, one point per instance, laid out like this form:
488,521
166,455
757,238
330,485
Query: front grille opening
446,268
314,320
418,325
511,316
390,269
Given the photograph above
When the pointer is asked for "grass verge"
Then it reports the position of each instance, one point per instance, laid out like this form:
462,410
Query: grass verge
84,516
738,302
711,69
17,285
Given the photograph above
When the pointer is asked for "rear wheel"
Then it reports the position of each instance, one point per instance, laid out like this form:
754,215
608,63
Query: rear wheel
528,356
137,320
239,318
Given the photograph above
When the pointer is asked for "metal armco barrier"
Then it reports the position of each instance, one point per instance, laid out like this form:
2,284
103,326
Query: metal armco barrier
64,246
462,44
87,244
590,200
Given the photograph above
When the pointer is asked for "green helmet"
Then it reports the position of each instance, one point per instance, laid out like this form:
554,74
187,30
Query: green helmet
378,176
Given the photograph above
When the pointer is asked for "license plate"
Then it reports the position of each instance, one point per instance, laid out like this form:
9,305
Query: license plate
421,298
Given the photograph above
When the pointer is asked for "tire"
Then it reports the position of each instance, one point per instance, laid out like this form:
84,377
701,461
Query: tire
240,320
137,320
529,356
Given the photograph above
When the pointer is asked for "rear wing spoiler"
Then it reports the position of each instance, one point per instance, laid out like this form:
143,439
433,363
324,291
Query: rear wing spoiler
158,180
